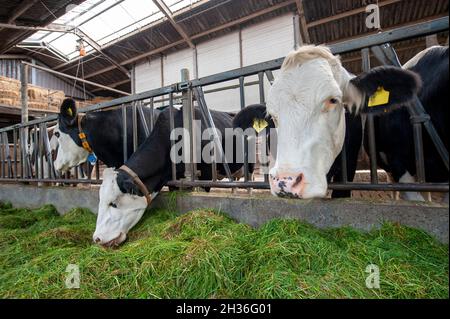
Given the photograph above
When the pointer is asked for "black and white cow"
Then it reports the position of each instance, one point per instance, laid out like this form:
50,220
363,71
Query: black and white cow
122,203
308,102
104,132
394,132
353,140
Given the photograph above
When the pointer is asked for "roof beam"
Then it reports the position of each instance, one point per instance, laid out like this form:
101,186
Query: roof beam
23,7
169,15
112,85
75,78
348,13
49,28
303,25
98,48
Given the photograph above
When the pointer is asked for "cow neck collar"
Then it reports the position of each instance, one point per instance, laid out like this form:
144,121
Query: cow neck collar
83,137
138,183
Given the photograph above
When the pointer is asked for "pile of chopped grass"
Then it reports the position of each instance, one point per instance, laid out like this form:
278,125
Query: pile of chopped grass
206,255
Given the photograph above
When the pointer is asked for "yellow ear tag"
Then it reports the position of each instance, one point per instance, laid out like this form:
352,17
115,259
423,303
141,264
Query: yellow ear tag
70,112
381,97
259,125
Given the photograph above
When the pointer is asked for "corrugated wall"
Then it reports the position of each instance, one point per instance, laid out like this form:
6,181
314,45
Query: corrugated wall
11,68
261,42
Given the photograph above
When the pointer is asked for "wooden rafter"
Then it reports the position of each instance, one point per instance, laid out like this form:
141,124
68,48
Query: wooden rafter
303,25
169,15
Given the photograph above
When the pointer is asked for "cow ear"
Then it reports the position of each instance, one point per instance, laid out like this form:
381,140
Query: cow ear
68,112
253,116
384,88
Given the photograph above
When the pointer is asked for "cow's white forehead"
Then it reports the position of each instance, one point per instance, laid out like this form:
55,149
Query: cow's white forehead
109,190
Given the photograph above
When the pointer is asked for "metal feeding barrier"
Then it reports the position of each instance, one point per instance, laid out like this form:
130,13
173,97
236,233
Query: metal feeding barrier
20,164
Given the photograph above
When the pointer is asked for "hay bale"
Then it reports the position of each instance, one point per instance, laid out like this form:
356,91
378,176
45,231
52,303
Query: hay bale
38,97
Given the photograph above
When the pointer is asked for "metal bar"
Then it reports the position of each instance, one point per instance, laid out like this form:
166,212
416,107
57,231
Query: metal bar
172,142
418,151
58,181
2,159
262,96
439,188
75,78
152,113
143,119
135,127
188,120
344,170
242,101
124,133
371,125
202,103
35,155
15,141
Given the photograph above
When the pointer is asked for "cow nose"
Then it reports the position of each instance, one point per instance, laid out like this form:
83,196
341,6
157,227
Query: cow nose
97,240
288,185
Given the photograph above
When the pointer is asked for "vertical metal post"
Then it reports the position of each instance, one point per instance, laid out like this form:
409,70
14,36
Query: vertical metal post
262,96
371,126
172,142
15,141
188,120
152,113
143,119
24,70
418,149
135,127
125,133
36,151
242,100
2,168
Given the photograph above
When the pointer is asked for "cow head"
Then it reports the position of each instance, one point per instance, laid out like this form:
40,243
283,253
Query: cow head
120,209
308,101
70,150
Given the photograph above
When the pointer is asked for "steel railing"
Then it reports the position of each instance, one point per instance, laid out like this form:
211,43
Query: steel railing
18,164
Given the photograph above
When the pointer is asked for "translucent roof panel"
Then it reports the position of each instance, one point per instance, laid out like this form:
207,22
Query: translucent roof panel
104,21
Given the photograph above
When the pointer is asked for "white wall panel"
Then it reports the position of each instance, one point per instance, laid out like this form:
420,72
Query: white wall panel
219,55
268,40
148,75
174,62
265,41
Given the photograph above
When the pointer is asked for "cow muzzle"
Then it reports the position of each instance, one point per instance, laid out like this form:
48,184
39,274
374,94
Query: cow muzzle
286,185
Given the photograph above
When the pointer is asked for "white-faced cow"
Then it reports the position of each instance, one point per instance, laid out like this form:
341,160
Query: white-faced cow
308,102
103,132
394,132
126,192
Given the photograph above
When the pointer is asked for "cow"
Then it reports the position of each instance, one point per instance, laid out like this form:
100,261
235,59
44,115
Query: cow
308,102
103,132
394,132
126,192
54,145
353,140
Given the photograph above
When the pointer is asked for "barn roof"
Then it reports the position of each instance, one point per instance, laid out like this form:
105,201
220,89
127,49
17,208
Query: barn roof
325,21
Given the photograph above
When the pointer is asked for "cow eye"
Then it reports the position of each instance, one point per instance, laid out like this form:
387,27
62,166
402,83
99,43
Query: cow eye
334,101
57,134
113,205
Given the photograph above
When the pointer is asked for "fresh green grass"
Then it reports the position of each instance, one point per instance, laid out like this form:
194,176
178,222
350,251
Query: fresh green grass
206,255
